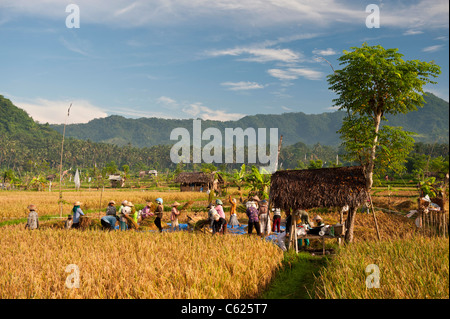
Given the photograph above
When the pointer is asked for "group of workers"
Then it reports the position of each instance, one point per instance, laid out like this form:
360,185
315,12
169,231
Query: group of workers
257,212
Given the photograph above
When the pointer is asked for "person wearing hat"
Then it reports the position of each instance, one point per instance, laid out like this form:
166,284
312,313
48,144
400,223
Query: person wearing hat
264,218
33,219
133,212
159,213
77,213
213,215
276,219
319,221
111,209
253,221
124,210
219,209
304,220
146,211
174,216
233,216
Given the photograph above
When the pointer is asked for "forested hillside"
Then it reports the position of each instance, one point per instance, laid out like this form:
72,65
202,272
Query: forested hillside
430,123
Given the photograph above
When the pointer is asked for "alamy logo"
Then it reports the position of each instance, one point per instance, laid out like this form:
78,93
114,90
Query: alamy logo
212,152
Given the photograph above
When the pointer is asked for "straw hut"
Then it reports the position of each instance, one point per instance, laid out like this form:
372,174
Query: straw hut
324,187
196,181
116,180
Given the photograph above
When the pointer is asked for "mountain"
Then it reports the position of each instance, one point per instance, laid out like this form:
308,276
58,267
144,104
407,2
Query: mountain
430,123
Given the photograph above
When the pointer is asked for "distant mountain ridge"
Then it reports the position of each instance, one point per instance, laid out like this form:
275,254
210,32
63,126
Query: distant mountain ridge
430,122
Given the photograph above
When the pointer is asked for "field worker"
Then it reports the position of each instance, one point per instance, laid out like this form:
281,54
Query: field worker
264,218
219,209
319,221
233,216
253,221
159,213
304,219
282,236
77,213
108,222
174,216
69,222
133,213
146,211
111,209
33,219
124,209
276,219
213,215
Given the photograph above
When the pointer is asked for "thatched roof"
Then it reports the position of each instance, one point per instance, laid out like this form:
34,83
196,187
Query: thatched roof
325,187
197,177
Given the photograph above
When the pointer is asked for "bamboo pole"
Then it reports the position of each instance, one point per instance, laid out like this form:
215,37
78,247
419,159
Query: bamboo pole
374,218
60,165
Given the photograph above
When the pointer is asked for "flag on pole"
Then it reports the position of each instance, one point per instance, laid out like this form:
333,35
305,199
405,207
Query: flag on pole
77,180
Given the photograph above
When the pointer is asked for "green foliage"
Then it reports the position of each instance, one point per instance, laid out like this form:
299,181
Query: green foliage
375,82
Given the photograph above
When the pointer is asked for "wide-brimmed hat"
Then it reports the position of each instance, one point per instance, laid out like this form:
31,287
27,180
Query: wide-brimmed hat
124,202
176,204
77,203
219,202
31,207
129,204
317,217
112,202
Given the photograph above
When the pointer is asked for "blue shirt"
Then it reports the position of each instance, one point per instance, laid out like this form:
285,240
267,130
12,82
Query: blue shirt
76,215
110,219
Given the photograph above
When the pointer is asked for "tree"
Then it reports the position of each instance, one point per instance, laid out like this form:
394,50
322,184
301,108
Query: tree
375,82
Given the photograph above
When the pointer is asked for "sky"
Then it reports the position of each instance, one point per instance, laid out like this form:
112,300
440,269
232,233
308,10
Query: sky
207,59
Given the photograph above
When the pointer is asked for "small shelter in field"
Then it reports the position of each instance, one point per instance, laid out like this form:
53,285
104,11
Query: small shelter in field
196,181
325,187
116,180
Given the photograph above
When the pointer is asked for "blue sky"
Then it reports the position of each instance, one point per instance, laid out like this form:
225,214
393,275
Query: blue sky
220,59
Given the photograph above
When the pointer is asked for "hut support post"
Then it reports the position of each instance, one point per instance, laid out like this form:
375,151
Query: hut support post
374,218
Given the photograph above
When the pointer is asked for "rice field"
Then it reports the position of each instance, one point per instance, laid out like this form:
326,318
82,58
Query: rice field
13,204
416,268
133,265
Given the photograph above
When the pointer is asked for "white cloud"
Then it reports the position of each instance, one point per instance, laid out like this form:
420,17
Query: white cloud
238,86
286,108
262,54
55,112
166,101
412,32
325,52
255,13
198,110
433,48
295,73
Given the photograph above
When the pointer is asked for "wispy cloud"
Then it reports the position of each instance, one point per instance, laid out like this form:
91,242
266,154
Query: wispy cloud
325,52
286,108
433,48
74,46
412,32
262,55
295,73
167,101
242,86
